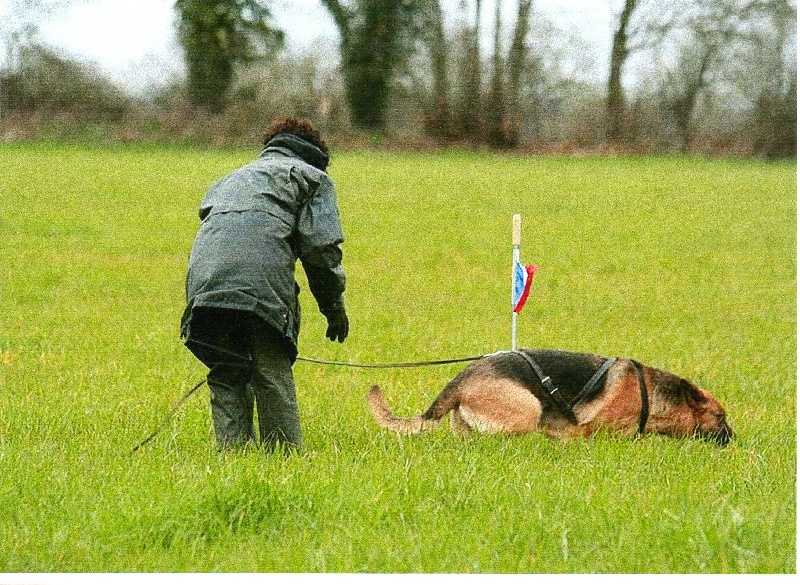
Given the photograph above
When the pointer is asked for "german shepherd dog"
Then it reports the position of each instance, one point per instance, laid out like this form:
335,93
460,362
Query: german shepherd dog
565,394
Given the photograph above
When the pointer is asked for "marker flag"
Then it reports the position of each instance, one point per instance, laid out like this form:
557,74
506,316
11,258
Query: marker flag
523,278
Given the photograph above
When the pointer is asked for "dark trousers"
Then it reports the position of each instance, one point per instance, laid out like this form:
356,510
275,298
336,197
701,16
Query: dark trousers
237,385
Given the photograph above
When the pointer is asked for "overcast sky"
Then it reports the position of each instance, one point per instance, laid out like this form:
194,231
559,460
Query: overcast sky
133,42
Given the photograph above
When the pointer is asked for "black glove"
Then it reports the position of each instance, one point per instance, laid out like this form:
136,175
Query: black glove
338,325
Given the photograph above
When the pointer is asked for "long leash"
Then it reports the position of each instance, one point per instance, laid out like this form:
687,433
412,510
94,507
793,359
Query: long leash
393,364
246,359
194,389
172,412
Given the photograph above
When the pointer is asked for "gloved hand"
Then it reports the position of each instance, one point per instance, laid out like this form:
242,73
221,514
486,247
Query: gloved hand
338,325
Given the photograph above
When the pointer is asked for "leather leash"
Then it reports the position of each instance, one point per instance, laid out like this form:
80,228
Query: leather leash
392,365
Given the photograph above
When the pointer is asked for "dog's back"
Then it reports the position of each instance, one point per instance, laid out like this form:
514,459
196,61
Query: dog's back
568,370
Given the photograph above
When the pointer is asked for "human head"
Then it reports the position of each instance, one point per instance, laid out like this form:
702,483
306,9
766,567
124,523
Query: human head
302,128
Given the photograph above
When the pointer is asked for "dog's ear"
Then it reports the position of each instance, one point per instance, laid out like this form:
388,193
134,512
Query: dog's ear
693,395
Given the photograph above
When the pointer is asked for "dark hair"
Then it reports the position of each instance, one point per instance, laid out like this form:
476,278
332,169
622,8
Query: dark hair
302,128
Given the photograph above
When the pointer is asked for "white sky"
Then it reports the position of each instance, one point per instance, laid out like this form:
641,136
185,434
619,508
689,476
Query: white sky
133,42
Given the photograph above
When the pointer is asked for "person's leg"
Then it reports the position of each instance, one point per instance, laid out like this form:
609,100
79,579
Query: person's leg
272,383
231,405
231,398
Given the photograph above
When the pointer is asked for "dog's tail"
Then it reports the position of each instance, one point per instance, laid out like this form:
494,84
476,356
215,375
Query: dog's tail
386,419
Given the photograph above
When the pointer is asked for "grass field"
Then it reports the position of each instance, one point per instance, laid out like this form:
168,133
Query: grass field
685,264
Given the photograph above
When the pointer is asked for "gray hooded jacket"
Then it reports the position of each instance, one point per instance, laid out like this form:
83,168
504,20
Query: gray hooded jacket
256,223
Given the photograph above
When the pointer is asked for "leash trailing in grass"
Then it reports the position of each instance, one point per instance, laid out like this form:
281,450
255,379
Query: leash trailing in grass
194,389
172,412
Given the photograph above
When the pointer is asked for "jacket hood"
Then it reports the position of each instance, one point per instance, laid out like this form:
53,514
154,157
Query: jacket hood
310,153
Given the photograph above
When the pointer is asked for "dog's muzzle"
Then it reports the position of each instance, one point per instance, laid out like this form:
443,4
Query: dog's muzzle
722,435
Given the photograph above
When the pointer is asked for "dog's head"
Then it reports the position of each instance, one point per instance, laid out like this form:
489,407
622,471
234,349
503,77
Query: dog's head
691,411
710,419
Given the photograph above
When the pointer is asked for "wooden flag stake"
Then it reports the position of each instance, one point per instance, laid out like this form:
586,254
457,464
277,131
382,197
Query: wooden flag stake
516,238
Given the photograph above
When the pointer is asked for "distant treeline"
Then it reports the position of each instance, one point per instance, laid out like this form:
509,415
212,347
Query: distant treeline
715,76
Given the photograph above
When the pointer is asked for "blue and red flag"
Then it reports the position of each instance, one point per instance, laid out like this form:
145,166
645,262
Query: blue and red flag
521,286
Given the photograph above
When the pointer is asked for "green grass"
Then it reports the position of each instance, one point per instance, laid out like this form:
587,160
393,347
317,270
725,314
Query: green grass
685,264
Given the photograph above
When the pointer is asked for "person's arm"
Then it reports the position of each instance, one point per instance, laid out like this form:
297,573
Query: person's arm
319,239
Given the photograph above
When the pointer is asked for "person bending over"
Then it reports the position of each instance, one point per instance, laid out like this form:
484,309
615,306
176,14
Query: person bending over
242,317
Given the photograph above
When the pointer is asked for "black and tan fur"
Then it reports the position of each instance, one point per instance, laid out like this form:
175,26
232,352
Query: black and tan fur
500,393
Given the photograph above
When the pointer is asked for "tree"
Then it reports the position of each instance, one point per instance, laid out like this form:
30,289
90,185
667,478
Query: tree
774,49
375,37
684,85
216,35
438,119
502,104
495,104
518,52
731,51
776,121
45,82
620,49
470,80
21,25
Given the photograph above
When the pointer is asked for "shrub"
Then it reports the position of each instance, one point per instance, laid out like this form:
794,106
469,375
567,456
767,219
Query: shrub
44,82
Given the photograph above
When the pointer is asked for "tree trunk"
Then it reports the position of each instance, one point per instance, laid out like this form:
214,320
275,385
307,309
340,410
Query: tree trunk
683,107
216,35
471,81
516,65
370,50
438,120
495,106
615,104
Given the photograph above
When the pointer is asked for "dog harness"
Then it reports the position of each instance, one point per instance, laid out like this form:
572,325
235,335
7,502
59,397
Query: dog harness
568,408
644,414
552,391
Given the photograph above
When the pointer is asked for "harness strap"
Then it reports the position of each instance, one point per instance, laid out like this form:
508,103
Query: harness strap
645,412
589,386
550,388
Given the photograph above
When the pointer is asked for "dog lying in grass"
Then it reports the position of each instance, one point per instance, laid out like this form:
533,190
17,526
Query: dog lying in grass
565,394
